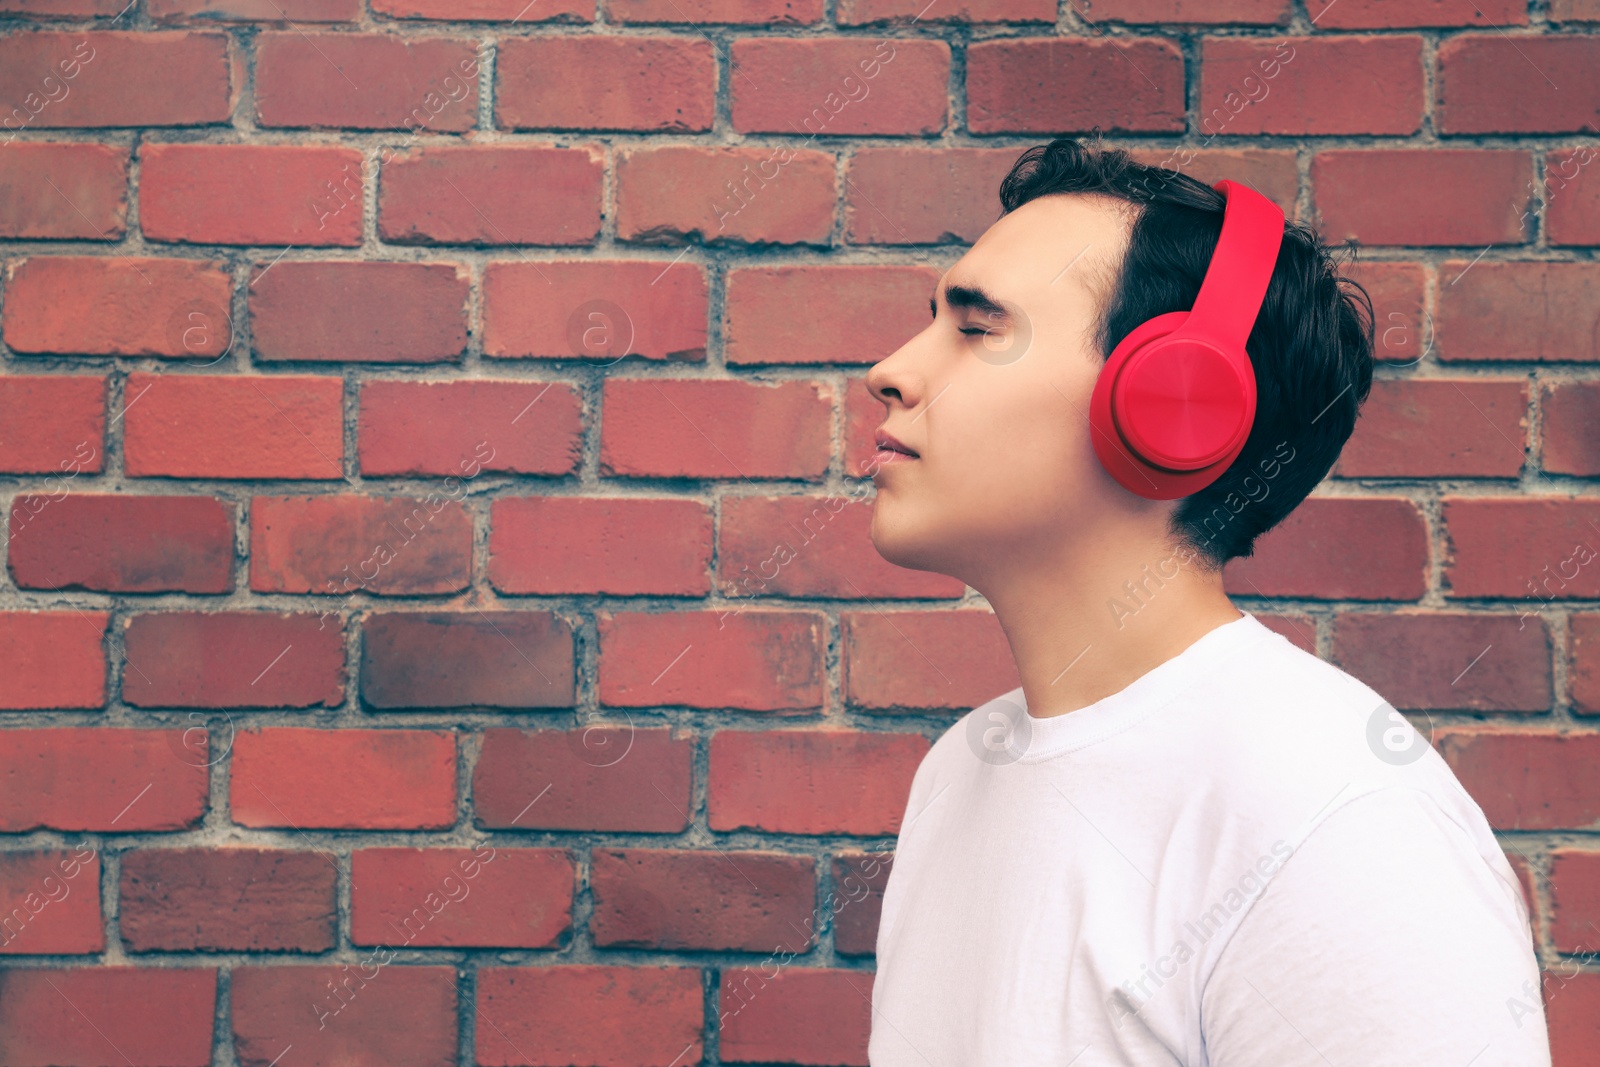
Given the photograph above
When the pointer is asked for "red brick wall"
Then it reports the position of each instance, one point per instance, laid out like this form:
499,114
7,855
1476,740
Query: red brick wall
383,650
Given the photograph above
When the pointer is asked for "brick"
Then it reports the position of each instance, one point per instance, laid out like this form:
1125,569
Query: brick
1520,548
233,194
460,897
1571,427
597,310
911,12
62,8
256,10
117,543
204,330
52,424
232,659
1575,10
859,881
1402,330
233,426
1526,779
360,311
375,1012
810,546
64,191
1448,661
57,659
622,546
714,428
811,781
498,195
139,1016
1572,1013
96,778
111,305
1575,900
278,900
1534,311
1583,661
672,195
870,312
1271,172
942,660
600,777
1491,83
796,1015
1439,428
702,899
754,660
366,81
1155,12
1396,14
1311,85
762,12
343,779
97,78
1054,85
462,428
458,659
1572,197
1407,196
822,86
1338,548
923,195
588,82
563,1013
343,544
50,902
863,413
486,10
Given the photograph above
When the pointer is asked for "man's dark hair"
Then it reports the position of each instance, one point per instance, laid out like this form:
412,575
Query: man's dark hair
1311,345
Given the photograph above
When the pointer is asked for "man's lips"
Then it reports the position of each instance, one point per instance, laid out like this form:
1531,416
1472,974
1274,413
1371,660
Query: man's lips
892,449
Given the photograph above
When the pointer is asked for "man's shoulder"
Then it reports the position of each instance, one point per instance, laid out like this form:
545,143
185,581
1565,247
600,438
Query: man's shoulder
1290,732
1288,704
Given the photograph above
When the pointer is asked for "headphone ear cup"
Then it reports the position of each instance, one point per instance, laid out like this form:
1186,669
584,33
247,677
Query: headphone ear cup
1116,455
1183,403
1168,416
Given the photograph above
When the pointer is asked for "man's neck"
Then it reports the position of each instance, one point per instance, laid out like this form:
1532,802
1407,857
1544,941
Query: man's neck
1086,629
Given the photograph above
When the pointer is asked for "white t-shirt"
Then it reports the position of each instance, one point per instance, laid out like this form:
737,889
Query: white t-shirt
1245,858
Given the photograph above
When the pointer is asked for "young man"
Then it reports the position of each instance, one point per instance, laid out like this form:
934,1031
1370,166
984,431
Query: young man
1183,840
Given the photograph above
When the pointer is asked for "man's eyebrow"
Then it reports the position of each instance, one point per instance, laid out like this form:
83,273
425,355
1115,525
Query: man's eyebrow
972,296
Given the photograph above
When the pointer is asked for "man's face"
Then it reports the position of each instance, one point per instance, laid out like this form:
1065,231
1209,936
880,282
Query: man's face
993,397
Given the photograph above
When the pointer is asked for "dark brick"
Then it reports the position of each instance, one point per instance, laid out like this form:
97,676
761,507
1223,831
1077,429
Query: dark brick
499,659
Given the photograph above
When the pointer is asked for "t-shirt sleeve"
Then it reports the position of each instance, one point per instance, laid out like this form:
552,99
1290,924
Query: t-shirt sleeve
1385,940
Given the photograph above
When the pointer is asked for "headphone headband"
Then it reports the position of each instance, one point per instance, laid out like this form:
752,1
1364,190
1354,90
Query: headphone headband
1236,281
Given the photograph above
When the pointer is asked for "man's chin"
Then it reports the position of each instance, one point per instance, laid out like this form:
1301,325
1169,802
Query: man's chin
899,541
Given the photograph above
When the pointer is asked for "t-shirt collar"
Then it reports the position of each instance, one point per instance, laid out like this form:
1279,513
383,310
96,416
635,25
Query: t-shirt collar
1041,738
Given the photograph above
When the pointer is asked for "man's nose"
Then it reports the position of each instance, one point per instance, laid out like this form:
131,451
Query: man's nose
895,377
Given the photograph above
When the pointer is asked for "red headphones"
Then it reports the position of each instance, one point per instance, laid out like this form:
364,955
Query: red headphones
1174,404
